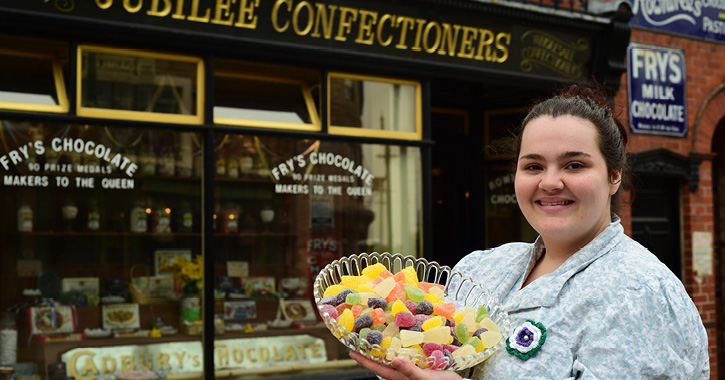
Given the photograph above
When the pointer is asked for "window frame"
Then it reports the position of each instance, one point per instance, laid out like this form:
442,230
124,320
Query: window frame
63,105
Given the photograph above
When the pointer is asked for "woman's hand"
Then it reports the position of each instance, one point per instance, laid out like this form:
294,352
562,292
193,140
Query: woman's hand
402,370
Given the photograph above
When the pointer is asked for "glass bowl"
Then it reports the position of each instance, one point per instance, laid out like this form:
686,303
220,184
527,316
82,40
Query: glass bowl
462,290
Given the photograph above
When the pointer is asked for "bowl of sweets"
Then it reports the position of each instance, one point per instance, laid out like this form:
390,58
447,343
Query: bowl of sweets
386,305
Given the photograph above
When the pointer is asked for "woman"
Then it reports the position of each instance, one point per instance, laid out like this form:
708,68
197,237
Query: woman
586,301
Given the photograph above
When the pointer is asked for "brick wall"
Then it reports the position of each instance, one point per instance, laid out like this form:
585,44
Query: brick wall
705,67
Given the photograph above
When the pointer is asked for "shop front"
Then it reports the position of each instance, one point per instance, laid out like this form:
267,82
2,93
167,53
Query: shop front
175,174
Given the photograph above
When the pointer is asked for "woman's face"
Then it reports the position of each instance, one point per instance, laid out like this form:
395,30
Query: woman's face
563,186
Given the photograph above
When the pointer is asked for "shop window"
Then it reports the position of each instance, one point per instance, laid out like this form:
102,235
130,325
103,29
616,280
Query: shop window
266,96
139,85
31,81
287,207
370,106
95,218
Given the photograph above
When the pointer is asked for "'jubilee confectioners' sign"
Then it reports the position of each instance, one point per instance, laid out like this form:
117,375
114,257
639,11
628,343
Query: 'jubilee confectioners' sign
91,363
383,28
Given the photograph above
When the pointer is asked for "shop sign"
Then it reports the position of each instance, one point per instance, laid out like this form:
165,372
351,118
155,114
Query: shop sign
48,172
321,250
400,29
656,90
91,363
323,184
697,18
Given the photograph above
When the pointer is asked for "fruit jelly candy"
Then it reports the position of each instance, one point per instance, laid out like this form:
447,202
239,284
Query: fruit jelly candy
333,290
388,316
353,281
363,332
397,307
386,342
424,307
378,303
481,313
430,347
376,281
432,298
416,327
340,308
450,348
374,337
425,286
366,288
347,320
450,357
411,276
432,323
356,310
414,294
329,300
407,353
374,270
458,315
455,341
464,351
385,274
366,296
421,318
490,338
411,306
474,341
396,293
330,310
384,287
404,319
445,310
399,277
366,311
461,331
391,330
353,299
379,327
479,331
437,291
470,322
378,316
489,324
451,322
436,359
343,295
409,338
440,335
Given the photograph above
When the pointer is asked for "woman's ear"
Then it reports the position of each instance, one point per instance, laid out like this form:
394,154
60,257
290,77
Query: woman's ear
615,180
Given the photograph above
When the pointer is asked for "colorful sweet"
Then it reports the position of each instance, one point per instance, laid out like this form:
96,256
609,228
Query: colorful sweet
408,317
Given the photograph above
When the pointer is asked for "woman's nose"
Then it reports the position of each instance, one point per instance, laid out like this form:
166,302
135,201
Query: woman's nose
551,181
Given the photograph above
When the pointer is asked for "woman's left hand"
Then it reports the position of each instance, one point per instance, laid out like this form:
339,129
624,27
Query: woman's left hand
402,369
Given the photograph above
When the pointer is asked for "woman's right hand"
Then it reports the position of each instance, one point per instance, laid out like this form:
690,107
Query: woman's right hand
402,369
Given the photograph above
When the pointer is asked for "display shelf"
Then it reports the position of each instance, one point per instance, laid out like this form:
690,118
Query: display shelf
152,234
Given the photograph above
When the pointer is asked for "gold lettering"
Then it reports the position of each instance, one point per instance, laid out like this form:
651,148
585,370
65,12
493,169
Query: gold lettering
105,361
104,4
222,354
467,37
179,11
196,361
162,361
316,350
131,8
249,355
484,43
275,17
426,37
418,34
296,16
450,39
222,13
367,20
264,354
143,359
238,355
154,9
247,18
89,367
345,24
322,19
194,16
379,33
72,366
127,363
302,351
407,23
180,358
290,353
276,354
503,47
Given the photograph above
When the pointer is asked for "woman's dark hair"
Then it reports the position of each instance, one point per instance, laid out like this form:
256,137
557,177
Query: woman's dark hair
589,102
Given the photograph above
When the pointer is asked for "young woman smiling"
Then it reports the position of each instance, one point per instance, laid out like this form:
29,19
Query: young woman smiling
588,302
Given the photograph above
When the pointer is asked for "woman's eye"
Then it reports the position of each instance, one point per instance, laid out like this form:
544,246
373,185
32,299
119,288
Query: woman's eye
532,167
575,166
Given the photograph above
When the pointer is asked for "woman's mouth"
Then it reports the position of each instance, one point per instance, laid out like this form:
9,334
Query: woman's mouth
560,203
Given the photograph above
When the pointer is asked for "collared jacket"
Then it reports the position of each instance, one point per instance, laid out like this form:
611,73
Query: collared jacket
612,311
